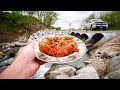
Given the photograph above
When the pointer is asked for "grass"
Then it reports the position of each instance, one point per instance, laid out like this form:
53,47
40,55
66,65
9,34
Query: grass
83,39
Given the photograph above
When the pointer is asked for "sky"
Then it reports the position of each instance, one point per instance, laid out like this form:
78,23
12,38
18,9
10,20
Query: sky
73,17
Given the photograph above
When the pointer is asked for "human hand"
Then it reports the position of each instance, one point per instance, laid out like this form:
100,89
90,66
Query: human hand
25,64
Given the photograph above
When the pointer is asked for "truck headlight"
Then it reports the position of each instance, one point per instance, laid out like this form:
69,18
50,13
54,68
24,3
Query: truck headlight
94,23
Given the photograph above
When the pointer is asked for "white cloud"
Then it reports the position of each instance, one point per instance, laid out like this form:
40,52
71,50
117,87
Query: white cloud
73,17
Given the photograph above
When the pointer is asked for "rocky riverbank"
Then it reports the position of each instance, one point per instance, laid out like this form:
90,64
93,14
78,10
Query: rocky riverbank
100,63
8,52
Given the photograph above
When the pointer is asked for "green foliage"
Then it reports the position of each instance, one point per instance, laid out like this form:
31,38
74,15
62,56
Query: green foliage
113,19
49,18
30,13
57,28
83,39
15,20
92,16
40,15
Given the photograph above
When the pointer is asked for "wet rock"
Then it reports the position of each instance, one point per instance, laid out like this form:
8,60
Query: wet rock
19,44
11,53
87,72
6,49
60,70
3,68
13,44
1,55
7,62
7,45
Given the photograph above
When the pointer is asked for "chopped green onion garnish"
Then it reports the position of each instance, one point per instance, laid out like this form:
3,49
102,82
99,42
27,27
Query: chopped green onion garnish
61,41
73,45
43,45
51,38
68,41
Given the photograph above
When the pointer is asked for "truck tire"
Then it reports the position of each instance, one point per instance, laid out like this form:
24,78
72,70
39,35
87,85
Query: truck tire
104,29
86,29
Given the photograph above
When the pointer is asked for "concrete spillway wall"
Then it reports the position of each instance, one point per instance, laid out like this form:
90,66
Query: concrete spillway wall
93,40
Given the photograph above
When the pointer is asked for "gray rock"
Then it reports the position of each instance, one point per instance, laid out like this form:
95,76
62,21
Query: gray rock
62,77
7,62
117,58
100,65
114,64
6,49
113,69
41,71
13,44
87,72
79,63
60,70
78,71
19,44
87,62
114,54
113,75
3,68
11,53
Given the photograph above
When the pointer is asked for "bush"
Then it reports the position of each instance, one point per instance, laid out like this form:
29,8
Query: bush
15,21
113,18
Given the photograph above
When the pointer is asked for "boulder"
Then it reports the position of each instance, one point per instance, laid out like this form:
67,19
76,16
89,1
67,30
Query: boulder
60,70
79,63
62,77
100,65
114,64
113,75
87,72
6,62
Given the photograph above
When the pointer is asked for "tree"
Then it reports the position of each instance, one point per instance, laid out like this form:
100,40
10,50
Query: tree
40,15
112,17
92,16
31,13
49,18
58,28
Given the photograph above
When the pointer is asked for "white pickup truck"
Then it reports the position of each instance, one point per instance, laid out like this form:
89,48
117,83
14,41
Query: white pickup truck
95,24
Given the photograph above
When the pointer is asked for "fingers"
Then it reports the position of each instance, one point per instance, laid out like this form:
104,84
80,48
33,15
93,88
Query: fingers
30,40
39,61
31,44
